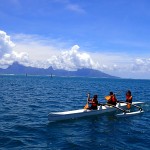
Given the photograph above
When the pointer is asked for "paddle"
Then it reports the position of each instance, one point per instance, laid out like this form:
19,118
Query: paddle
124,111
112,106
87,105
107,97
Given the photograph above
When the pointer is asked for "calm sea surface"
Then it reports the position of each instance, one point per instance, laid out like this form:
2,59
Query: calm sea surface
26,101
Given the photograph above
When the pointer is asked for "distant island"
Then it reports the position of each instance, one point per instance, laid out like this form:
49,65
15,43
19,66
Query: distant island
19,69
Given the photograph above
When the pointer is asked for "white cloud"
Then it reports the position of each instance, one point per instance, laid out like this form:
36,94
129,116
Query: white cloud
139,61
75,8
72,60
7,55
45,52
71,6
141,65
37,47
6,44
30,50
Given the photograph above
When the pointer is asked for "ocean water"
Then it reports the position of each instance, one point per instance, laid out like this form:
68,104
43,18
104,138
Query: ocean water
26,101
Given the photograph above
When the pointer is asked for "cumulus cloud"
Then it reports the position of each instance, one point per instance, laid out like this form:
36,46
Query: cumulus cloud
141,65
9,58
72,60
7,55
6,44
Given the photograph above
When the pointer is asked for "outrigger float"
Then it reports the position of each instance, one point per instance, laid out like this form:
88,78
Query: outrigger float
102,108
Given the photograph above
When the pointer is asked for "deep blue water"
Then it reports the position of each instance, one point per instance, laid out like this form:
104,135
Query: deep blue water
26,101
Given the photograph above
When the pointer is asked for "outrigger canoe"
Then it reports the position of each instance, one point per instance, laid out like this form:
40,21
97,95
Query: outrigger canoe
103,108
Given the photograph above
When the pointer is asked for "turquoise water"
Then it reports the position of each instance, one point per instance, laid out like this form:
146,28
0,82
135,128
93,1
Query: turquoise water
26,101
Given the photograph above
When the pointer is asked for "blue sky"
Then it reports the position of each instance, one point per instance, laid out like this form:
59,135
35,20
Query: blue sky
108,35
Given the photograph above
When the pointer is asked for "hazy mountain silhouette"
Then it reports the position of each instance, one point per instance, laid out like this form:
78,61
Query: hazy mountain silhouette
19,69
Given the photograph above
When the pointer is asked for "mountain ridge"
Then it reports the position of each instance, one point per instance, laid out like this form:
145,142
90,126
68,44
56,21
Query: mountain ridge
17,68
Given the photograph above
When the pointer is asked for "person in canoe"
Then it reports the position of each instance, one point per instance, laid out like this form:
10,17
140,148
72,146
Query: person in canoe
112,99
128,99
93,102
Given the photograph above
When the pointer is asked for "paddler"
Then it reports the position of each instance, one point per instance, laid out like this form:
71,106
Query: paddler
128,99
112,99
93,102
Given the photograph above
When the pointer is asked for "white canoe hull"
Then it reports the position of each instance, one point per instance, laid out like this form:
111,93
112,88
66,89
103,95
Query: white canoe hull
56,116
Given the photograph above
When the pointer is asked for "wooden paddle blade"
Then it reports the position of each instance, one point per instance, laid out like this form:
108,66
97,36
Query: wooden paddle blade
107,97
86,106
128,105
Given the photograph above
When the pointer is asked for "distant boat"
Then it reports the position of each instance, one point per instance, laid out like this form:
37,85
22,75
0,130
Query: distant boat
51,75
